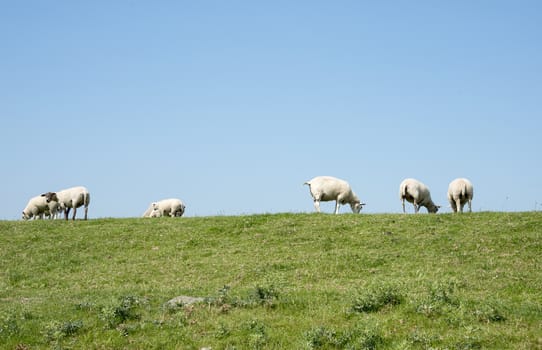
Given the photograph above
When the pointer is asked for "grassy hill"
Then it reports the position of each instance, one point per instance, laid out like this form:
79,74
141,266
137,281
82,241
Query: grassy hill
280,281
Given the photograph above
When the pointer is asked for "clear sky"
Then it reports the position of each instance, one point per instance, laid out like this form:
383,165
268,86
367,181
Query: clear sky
232,105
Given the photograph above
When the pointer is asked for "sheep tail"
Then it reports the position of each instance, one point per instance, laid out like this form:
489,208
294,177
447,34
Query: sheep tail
404,191
86,199
464,191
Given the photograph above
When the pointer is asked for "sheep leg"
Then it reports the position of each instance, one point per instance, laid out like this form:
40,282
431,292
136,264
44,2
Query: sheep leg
470,206
66,213
86,212
74,212
336,207
453,205
458,205
416,208
317,205
404,210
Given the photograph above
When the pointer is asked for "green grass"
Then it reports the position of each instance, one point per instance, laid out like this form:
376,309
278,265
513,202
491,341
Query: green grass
281,281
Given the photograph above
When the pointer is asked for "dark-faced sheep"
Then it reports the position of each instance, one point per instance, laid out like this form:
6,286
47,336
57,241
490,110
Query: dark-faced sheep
74,197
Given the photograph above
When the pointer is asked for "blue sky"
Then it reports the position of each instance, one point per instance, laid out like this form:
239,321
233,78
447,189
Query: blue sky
232,105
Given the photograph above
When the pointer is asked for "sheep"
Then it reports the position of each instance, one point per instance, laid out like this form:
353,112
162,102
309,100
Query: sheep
73,197
167,207
328,188
460,192
38,206
418,194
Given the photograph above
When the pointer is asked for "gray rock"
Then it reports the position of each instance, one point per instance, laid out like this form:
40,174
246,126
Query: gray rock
183,300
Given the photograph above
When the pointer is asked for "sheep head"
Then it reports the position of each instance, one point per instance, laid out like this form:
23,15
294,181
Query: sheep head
50,196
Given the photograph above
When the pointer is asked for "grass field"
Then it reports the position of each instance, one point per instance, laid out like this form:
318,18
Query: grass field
277,281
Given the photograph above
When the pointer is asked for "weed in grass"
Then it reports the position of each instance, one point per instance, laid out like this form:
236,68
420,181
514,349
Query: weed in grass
468,343
365,339
263,296
443,292
418,338
489,312
376,297
257,336
223,296
181,320
258,296
55,332
85,305
358,338
9,325
222,332
320,337
440,297
125,309
14,277
126,329
223,300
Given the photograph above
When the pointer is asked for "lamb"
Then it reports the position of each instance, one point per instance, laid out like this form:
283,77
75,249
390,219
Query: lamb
418,194
73,197
460,192
167,207
38,206
328,188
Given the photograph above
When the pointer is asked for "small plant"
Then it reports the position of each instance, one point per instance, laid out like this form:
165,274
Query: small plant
8,325
125,329
489,312
125,309
257,335
84,306
264,296
422,339
56,331
222,332
259,296
443,293
358,338
320,337
377,297
222,298
440,296
468,343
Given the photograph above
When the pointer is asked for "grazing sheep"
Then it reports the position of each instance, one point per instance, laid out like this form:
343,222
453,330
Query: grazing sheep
167,207
460,192
328,188
38,206
74,197
418,194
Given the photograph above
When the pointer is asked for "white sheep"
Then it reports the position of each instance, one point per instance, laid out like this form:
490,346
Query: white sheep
328,188
38,206
167,207
73,197
418,194
460,192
